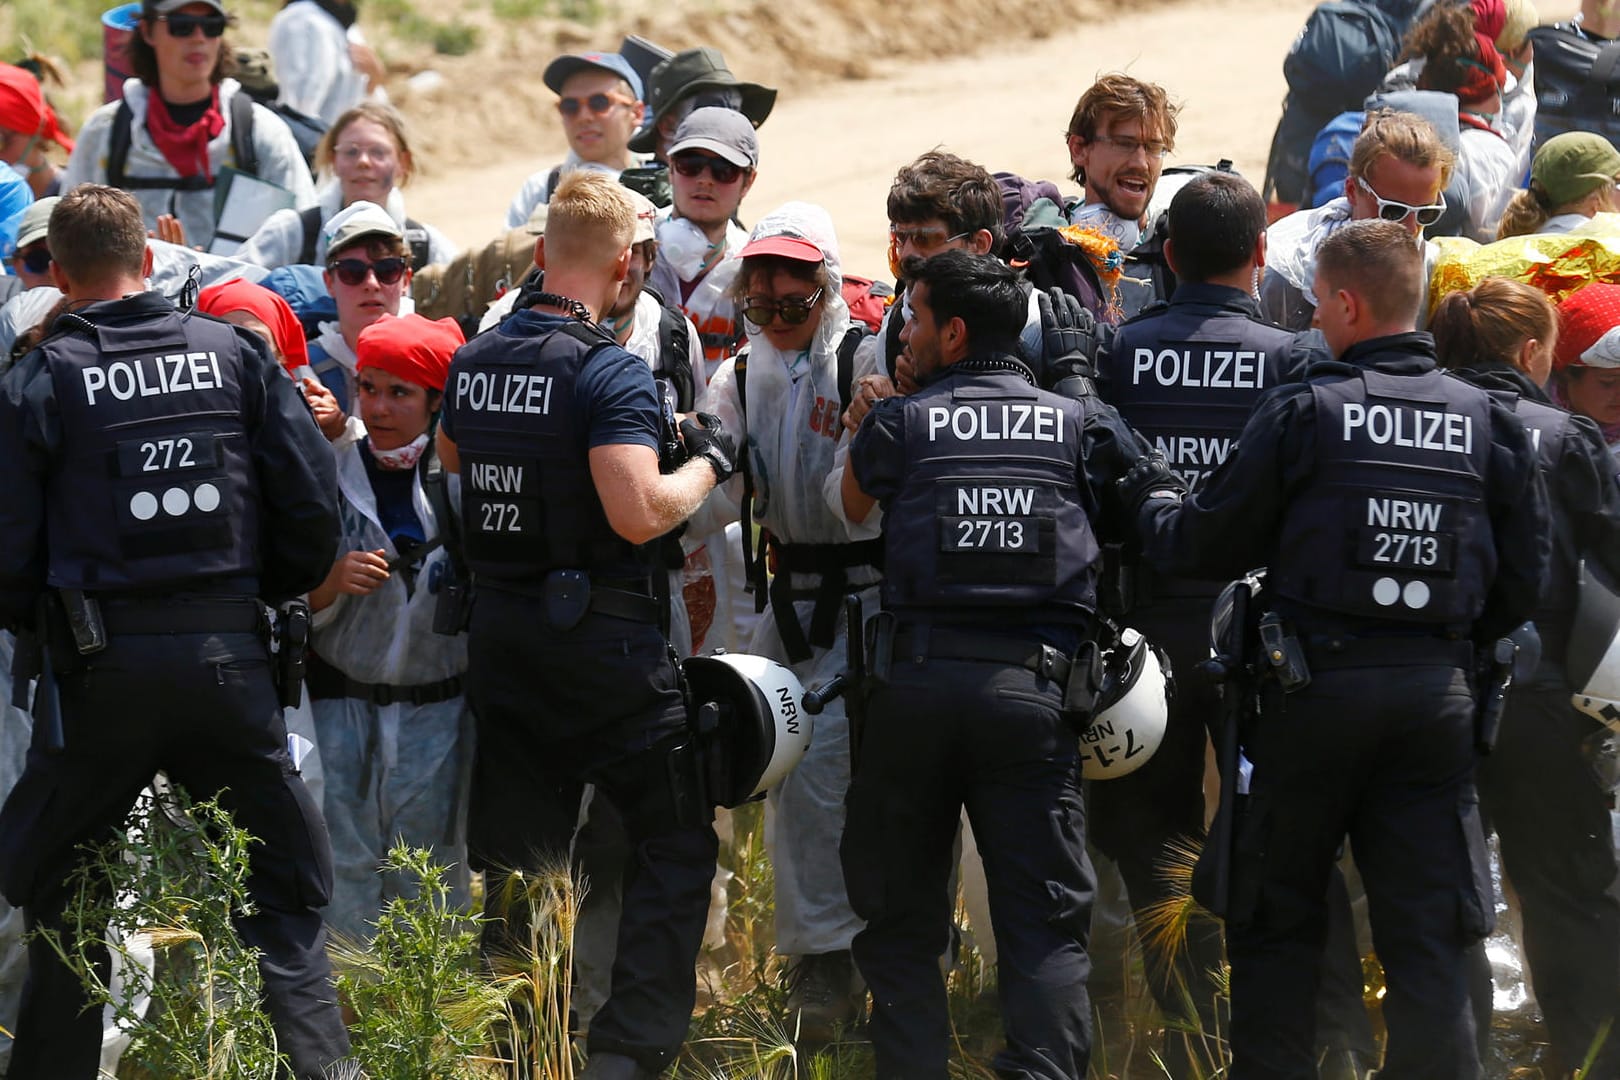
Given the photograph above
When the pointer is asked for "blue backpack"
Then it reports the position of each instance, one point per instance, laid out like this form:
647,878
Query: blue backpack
304,289
1329,162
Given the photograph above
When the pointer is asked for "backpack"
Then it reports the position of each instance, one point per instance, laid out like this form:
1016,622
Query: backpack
416,238
304,289
1329,161
464,288
1330,155
244,156
867,300
256,75
1032,215
1577,83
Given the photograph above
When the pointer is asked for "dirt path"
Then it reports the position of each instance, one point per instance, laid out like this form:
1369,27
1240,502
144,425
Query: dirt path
840,143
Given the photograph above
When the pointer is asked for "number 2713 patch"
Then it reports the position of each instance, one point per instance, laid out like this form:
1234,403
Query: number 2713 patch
1002,535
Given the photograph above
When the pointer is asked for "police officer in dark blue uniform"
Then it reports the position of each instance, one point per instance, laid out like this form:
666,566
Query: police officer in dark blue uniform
996,495
1402,520
1548,808
555,430
1186,375
165,476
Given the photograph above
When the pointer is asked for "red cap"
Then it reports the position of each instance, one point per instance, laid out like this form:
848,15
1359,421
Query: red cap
1589,328
789,247
23,107
410,347
264,305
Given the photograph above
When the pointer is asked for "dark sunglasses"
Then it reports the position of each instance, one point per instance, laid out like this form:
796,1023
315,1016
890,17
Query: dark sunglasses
597,103
723,171
183,26
36,261
354,271
761,312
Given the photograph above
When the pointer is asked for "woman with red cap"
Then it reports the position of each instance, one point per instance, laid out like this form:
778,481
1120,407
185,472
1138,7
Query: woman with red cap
390,720
1586,365
1457,44
27,125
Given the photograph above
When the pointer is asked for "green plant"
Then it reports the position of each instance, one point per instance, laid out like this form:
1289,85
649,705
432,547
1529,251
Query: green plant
175,876
421,1008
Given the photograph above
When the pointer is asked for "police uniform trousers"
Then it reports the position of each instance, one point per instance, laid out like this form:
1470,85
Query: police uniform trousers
943,735
599,703
1379,747
1552,821
202,708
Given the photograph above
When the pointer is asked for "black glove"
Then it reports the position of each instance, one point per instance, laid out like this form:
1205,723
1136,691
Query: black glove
1149,478
1068,341
705,438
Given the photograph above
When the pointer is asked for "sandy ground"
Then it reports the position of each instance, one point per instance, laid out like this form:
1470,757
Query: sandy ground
838,143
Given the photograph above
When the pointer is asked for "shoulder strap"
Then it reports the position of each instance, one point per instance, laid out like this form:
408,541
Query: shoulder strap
437,488
118,145
675,356
242,146
551,181
310,219
846,364
416,236
754,570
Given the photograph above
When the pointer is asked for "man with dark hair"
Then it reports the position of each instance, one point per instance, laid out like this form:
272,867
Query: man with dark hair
1185,376
1403,521
166,477
974,713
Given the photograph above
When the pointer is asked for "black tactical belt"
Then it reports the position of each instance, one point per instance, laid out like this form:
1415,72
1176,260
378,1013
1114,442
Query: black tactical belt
422,694
615,603
1043,660
239,616
1325,652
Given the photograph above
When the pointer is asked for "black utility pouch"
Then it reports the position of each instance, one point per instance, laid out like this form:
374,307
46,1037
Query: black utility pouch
568,598
452,610
1085,682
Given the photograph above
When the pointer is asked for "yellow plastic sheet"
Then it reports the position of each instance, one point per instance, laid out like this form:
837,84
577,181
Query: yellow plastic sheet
1555,263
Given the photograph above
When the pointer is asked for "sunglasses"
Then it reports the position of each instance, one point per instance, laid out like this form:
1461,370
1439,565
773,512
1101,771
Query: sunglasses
762,312
183,26
597,103
36,261
354,271
691,165
1391,210
921,238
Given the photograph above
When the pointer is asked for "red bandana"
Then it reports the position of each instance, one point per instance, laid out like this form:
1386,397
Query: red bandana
186,148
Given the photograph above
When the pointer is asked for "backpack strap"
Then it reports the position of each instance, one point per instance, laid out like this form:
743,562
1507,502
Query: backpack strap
310,219
851,341
891,338
551,181
754,576
416,238
118,141
675,356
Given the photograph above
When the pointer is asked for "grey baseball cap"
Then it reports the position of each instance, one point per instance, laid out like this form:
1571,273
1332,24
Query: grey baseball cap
721,131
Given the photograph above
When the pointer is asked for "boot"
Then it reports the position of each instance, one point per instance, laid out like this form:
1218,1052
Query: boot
606,1066
824,993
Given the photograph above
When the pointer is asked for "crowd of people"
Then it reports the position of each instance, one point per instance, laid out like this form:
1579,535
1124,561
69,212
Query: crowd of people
246,389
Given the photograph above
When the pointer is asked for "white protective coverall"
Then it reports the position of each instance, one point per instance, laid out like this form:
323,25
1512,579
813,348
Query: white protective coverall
789,431
396,771
280,240
310,51
280,161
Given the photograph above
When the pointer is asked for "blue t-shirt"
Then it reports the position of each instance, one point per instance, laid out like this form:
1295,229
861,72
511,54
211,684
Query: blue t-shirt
614,394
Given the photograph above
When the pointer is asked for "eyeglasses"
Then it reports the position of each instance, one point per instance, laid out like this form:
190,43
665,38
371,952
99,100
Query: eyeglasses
1391,210
597,103
723,171
354,271
356,151
922,238
36,260
761,312
1128,146
183,26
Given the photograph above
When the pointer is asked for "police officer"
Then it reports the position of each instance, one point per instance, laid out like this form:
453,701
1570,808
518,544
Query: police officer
555,431
994,495
179,479
1185,376
1402,519
1550,813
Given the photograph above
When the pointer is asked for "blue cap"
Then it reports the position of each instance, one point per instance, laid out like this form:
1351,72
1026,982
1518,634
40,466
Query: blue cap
561,69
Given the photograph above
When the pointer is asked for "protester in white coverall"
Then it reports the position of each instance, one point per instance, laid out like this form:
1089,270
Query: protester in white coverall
322,62
390,719
788,288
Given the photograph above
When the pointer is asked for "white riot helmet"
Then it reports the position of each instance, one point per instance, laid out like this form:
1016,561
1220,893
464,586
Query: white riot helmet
1133,708
759,727
1592,661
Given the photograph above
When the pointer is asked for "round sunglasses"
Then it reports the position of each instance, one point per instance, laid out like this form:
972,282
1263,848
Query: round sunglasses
691,165
597,103
762,312
353,271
